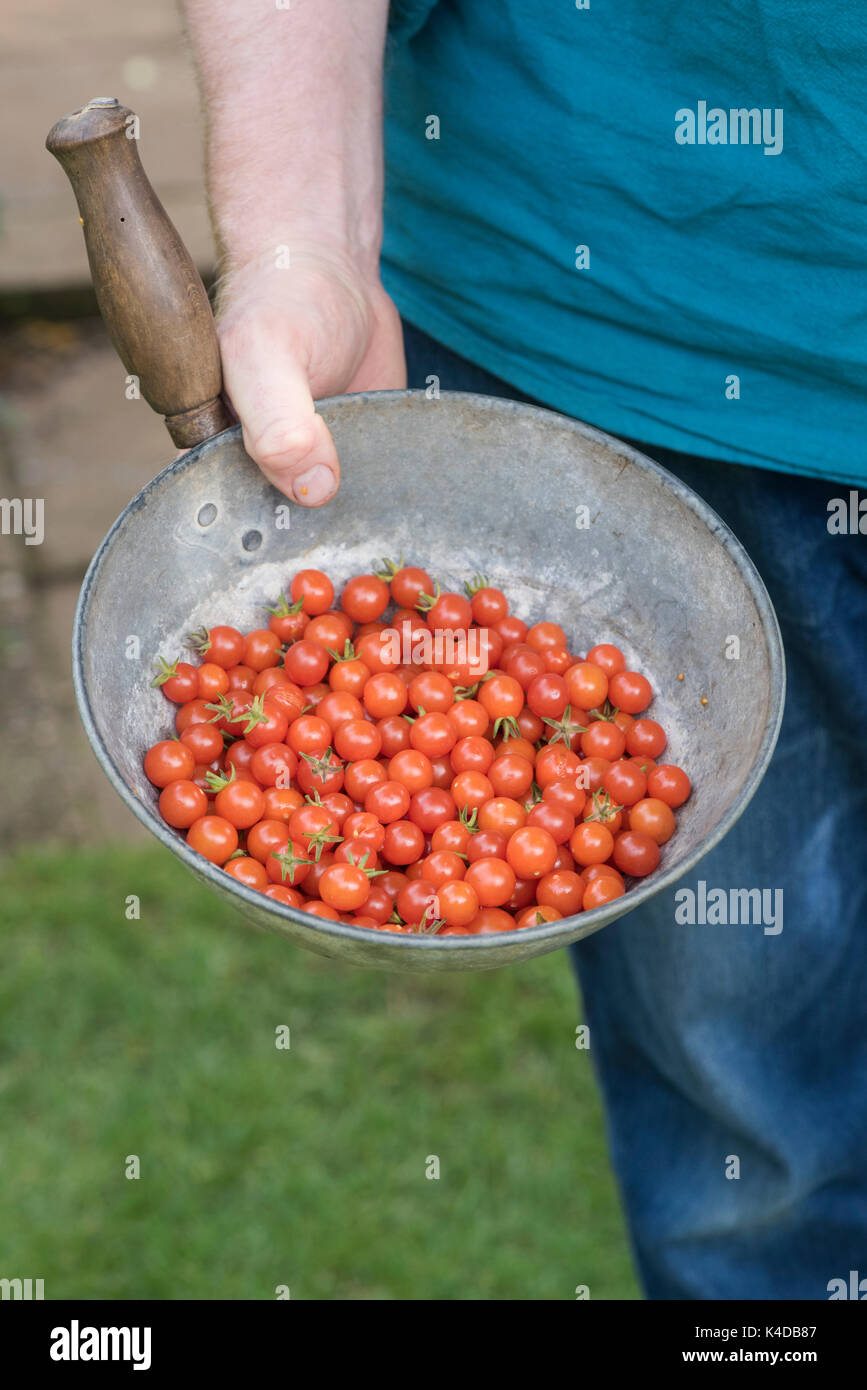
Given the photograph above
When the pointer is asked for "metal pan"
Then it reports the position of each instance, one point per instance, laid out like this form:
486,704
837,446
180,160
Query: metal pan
459,484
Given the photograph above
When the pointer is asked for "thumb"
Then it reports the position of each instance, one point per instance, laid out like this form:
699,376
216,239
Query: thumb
269,390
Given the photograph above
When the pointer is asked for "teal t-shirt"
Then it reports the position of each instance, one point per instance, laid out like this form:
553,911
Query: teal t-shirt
651,216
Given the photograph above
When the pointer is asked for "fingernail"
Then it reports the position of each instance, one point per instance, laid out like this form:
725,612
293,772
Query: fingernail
315,486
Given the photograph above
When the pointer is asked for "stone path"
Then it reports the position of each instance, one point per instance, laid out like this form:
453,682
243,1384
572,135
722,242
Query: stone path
56,55
67,433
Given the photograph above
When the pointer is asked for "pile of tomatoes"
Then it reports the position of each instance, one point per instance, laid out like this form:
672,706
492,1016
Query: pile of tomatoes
371,780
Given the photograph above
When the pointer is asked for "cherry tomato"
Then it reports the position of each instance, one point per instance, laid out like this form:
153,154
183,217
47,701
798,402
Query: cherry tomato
510,775
181,803
430,807
213,837
179,681
314,589
566,792
554,817
635,853
630,691
608,658
432,734
408,584
488,605
204,741
412,768
646,738
503,815
169,761
212,680
669,784
349,675
442,866
486,844
193,712
306,662
458,903
471,790
531,851
625,783
274,765
404,842
388,801
601,891
548,695
262,649
242,804
563,889
493,881
280,802
542,635
431,691
501,696
384,694
288,621
471,754
365,598
538,915
222,645
289,897
344,886
450,612
652,817
331,628
247,871
357,738
603,739
591,843
587,684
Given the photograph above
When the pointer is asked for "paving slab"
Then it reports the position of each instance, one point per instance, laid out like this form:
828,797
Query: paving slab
56,55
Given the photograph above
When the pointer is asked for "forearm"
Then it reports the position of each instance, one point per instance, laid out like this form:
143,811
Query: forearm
293,106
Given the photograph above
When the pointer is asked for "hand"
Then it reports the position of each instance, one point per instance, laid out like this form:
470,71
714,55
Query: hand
287,337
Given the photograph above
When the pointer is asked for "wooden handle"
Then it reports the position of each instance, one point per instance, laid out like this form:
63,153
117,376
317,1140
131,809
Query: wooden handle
149,292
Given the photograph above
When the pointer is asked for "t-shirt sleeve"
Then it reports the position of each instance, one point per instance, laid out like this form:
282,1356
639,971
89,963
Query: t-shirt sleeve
406,17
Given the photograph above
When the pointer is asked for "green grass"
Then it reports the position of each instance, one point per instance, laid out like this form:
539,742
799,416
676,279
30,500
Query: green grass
262,1167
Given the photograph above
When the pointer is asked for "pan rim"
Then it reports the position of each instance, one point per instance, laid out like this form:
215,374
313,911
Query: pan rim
559,933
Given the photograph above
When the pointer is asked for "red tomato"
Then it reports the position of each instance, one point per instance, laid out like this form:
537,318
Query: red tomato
531,851
591,843
365,598
635,853
630,691
404,842
181,803
169,761
563,889
306,662
652,817
493,881
587,684
314,589
670,784
609,659
646,738
214,838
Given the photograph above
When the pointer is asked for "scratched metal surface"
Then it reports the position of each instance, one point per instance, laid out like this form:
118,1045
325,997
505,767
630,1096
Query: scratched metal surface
459,485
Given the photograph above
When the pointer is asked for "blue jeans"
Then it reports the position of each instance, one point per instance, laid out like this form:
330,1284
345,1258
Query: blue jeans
722,1043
